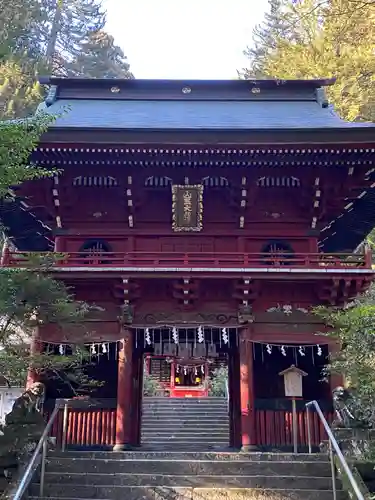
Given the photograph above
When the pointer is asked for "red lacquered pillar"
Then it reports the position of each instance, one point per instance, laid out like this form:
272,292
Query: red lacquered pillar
59,244
124,393
248,436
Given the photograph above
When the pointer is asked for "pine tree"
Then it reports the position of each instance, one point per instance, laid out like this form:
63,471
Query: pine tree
66,23
264,40
328,40
99,57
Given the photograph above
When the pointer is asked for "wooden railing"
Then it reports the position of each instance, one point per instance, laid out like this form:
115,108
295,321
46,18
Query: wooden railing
93,424
198,259
89,423
274,428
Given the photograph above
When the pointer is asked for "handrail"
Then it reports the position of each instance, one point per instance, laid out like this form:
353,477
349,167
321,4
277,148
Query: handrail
332,443
34,461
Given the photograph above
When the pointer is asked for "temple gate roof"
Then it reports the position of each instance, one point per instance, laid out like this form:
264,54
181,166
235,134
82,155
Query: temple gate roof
191,104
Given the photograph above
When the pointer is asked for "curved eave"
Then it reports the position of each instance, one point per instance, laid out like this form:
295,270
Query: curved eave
26,231
349,230
358,134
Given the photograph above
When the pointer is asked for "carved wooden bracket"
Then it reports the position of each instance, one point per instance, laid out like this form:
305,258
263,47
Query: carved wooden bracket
186,290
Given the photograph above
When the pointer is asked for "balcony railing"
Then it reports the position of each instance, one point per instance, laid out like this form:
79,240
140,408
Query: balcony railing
219,260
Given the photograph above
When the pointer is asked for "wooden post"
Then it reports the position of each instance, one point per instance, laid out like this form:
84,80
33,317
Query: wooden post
295,426
368,256
59,244
36,347
124,393
293,389
248,437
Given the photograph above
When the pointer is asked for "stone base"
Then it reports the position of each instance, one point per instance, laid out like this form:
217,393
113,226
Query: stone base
249,448
122,447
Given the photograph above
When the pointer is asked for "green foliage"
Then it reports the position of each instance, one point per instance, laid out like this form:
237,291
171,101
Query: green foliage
17,141
312,39
218,382
20,93
151,387
354,329
29,299
56,37
99,57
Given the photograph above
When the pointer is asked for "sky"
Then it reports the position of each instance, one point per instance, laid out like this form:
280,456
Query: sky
177,39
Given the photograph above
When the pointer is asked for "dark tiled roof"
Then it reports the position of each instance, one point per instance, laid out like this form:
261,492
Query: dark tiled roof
178,114
191,105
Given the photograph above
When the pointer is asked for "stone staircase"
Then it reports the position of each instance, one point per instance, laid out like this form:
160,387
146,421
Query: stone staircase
186,476
185,423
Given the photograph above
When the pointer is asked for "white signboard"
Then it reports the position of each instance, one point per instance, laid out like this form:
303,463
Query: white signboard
293,381
293,385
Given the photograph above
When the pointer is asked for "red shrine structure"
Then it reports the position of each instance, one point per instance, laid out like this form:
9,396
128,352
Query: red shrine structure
204,219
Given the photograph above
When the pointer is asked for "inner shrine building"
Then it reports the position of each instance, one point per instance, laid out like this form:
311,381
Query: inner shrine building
205,220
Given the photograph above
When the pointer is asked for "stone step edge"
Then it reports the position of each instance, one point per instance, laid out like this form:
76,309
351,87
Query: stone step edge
184,488
187,428
195,421
210,476
180,442
190,460
170,411
187,432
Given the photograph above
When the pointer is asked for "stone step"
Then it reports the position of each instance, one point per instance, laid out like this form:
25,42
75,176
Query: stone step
166,493
184,404
186,432
192,439
190,467
182,440
187,424
203,400
220,406
172,493
168,438
195,419
185,410
181,455
175,409
186,407
184,446
74,481
213,415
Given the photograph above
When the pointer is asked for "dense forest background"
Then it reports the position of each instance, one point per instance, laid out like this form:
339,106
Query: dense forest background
319,39
52,37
